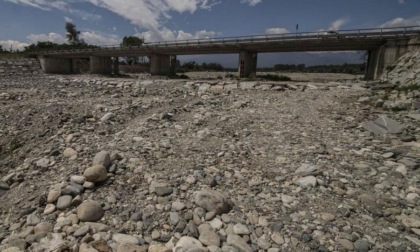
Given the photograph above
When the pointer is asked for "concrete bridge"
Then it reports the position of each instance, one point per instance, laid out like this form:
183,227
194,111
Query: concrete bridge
384,45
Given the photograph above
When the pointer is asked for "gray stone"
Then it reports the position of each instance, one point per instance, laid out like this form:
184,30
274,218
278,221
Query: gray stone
4,186
53,195
306,168
247,85
43,227
187,243
90,211
414,116
237,242
163,191
125,239
107,116
32,220
212,201
369,202
69,152
361,246
209,238
241,229
82,231
18,243
96,173
383,125
102,158
64,202
43,162
305,182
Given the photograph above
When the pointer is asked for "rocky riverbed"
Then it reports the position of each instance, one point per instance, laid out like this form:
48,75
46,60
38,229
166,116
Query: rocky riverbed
95,164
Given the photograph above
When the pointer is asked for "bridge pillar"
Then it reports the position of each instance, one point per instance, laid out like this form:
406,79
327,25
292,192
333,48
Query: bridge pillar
247,64
115,65
100,65
162,64
56,65
373,64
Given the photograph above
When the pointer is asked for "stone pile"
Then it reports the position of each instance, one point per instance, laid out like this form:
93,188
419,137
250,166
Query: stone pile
406,71
176,166
19,67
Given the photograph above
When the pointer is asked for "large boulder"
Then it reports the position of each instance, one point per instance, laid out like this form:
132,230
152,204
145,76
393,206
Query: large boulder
212,201
90,211
383,125
96,173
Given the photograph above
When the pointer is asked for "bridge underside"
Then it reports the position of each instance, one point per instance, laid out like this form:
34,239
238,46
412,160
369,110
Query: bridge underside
382,53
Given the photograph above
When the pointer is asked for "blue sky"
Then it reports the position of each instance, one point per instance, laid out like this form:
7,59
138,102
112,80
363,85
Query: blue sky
105,22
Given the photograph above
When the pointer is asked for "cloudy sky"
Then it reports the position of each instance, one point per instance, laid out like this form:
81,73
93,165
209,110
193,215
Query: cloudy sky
105,22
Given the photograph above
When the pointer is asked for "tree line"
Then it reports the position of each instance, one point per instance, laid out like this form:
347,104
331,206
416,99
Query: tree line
343,68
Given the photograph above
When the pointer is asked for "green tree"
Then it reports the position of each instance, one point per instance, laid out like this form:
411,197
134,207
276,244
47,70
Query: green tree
72,34
132,41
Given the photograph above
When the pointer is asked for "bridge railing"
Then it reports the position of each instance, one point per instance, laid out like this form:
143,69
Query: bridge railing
327,34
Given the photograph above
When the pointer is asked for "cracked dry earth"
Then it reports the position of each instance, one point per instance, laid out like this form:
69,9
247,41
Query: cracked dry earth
171,167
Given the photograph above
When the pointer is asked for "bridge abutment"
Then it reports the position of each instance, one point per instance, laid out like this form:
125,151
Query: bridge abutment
386,55
247,64
100,65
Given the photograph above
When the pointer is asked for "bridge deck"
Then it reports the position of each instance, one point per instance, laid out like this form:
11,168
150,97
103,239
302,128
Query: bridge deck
346,40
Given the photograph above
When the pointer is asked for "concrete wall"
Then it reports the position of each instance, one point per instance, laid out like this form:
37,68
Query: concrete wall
100,65
160,64
386,55
56,66
19,67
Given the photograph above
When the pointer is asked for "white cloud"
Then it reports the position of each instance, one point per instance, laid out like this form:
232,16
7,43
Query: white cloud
251,2
90,37
13,45
97,38
50,37
64,6
337,24
68,20
165,34
277,30
401,1
400,22
147,14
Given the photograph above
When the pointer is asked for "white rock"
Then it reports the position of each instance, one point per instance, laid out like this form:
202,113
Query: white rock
305,182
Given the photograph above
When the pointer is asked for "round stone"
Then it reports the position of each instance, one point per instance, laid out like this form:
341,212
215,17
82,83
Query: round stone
96,173
53,195
43,227
90,211
102,158
64,202
69,152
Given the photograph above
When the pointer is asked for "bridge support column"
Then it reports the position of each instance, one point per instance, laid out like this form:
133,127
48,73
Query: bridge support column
100,65
56,66
162,64
115,65
373,64
247,64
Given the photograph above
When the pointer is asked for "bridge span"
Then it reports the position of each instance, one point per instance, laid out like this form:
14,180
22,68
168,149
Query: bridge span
384,46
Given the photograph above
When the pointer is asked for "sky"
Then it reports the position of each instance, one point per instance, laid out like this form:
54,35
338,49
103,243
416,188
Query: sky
106,22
